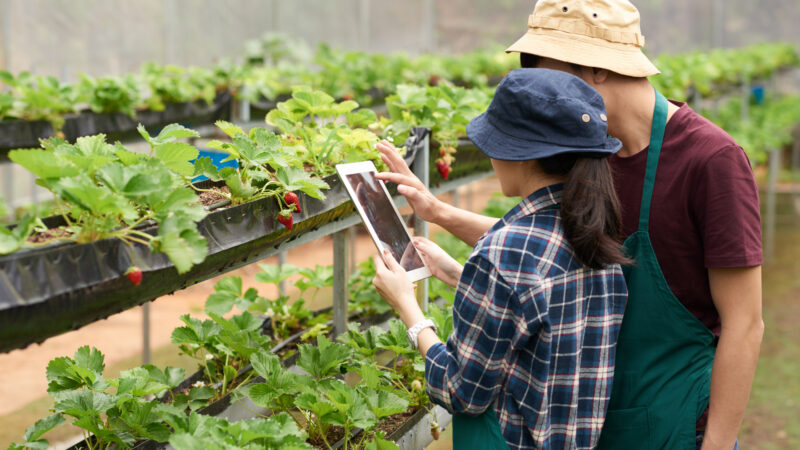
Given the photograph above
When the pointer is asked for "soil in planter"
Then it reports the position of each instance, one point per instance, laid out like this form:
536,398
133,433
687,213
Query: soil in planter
212,198
48,235
393,422
335,434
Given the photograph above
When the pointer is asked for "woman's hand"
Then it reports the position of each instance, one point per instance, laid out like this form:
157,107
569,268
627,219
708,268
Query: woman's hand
442,265
393,284
425,204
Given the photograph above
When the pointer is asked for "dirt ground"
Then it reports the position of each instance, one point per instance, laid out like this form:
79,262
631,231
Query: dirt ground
120,336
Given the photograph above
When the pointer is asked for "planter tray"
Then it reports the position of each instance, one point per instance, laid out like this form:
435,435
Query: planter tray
22,134
119,126
57,288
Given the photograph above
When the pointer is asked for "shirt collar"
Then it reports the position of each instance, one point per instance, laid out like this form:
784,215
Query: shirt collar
544,198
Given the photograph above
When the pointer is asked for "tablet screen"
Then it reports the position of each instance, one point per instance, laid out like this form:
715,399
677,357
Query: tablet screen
382,217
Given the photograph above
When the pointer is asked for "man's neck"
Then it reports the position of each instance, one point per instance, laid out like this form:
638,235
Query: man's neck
632,116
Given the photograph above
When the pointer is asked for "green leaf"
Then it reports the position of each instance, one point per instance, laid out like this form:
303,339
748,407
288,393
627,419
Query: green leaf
100,201
228,128
324,359
43,164
90,358
384,404
274,274
293,179
205,166
381,444
42,426
83,402
240,190
176,156
266,364
175,131
186,441
181,242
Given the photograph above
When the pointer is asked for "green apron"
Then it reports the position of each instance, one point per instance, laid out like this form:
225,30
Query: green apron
664,354
478,432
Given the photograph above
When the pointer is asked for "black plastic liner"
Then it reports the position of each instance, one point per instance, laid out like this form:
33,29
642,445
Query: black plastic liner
119,126
22,134
60,287
260,108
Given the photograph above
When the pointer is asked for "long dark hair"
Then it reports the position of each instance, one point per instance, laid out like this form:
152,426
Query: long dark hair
590,209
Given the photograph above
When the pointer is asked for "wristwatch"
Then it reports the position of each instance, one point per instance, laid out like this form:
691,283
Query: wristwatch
413,332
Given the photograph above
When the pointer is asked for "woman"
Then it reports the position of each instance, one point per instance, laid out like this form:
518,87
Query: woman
539,302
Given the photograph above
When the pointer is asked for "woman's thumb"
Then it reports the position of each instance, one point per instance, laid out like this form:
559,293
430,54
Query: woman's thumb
391,263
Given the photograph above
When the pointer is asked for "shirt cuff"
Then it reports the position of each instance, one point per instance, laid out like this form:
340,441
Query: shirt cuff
436,375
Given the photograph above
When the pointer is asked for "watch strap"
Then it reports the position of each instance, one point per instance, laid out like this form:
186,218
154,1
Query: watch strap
413,332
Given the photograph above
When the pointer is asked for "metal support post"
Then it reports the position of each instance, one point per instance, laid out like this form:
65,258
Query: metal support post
146,358
796,170
769,232
244,107
456,198
353,235
422,171
282,283
340,297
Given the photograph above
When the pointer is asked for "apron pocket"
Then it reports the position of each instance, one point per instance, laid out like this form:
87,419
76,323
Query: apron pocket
626,429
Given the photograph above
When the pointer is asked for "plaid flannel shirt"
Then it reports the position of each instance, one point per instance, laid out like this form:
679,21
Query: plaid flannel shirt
534,333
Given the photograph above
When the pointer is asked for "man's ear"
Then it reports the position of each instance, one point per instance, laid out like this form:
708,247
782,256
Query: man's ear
599,75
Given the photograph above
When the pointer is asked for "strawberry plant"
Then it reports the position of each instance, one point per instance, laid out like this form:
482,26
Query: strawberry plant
446,110
110,94
38,98
313,130
106,191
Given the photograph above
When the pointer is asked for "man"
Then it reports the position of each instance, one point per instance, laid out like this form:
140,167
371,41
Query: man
692,328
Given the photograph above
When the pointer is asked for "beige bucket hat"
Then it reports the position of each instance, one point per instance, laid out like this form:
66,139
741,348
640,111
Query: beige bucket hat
594,33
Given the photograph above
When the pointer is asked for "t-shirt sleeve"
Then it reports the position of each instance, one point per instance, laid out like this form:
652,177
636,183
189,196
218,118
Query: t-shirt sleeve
726,207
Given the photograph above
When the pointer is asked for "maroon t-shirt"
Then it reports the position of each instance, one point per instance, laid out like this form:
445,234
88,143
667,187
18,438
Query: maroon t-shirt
704,213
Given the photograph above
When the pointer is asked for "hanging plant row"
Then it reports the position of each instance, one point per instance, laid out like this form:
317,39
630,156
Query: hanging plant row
34,107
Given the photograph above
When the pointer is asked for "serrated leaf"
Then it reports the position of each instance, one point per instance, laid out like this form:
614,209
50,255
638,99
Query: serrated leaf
42,426
274,274
175,131
384,404
228,128
43,164
176,156
205,166
184,246
90,358
324,359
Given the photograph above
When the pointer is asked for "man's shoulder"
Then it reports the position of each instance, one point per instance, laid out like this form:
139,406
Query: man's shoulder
696,137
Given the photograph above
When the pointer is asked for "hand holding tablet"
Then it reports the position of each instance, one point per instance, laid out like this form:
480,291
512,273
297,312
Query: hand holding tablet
381,216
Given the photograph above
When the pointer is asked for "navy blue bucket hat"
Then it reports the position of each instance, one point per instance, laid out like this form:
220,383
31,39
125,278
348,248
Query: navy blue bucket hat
537,113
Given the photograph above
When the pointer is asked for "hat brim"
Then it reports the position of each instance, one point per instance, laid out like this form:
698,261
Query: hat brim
496,144
625,59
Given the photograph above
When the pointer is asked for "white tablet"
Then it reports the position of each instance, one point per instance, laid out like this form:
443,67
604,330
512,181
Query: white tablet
381,216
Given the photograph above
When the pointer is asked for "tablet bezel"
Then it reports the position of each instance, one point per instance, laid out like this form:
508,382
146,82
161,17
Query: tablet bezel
366,167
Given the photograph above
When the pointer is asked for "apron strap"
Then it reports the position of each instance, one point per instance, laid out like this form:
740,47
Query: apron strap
653,151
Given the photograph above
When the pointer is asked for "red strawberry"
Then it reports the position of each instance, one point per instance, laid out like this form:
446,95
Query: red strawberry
285,217
347,97
291,199
442,152
443,168
134,274
433,80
